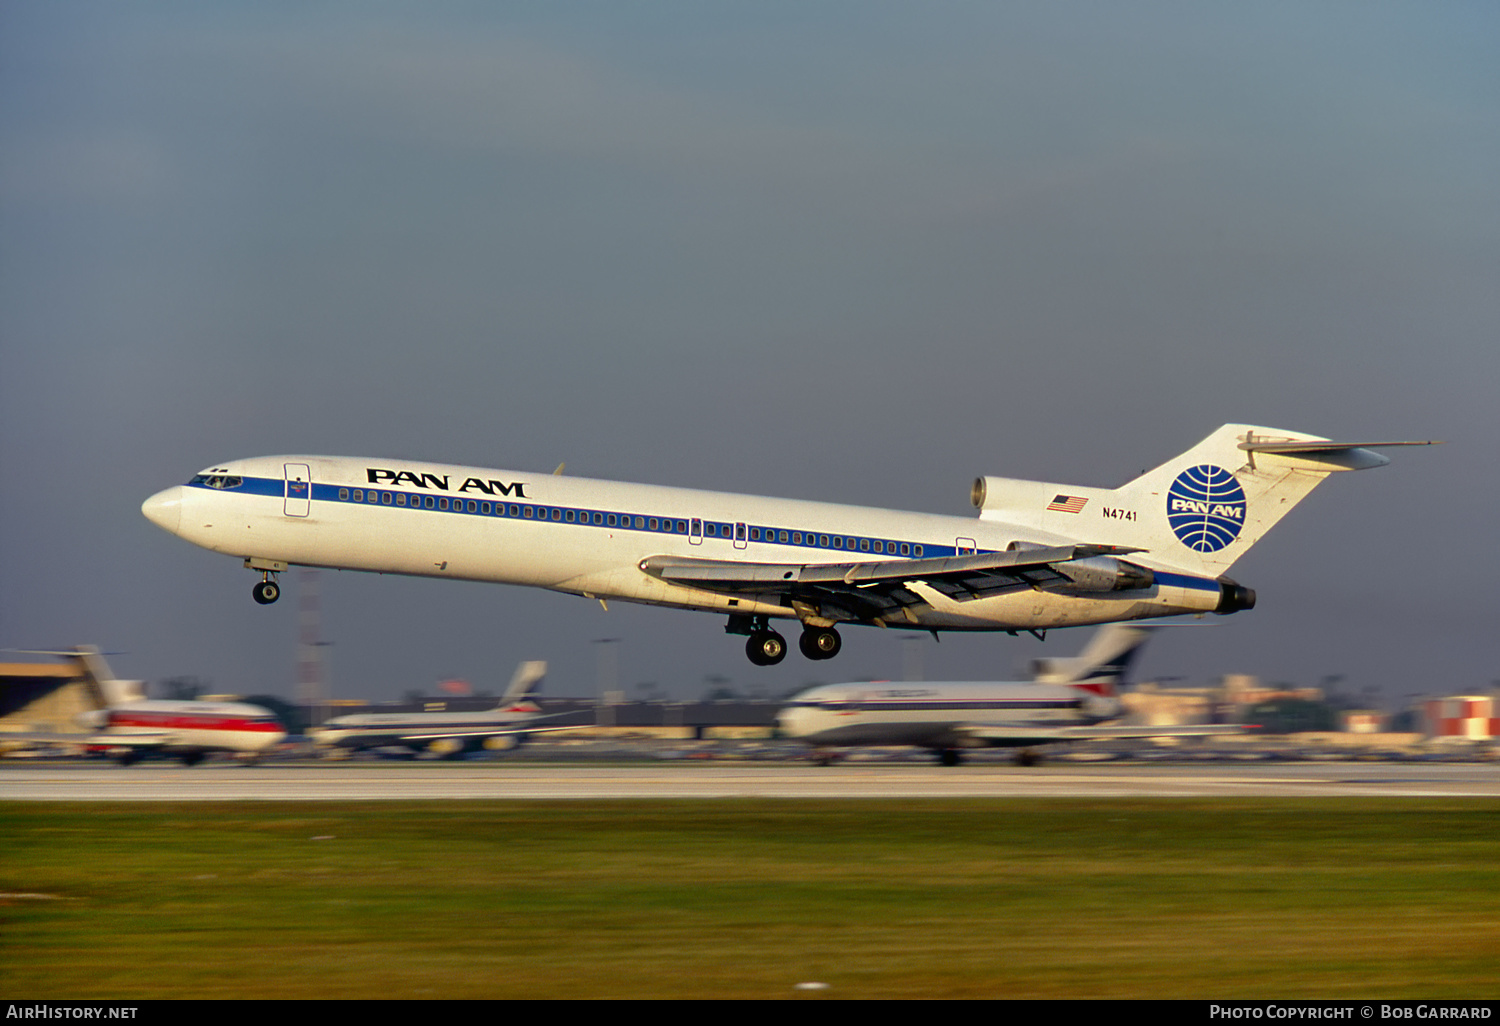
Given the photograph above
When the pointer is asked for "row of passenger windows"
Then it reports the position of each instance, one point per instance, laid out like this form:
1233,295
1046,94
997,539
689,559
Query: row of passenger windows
664,525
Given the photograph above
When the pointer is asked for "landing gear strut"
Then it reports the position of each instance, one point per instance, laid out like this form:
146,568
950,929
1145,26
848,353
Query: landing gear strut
267,590
765,647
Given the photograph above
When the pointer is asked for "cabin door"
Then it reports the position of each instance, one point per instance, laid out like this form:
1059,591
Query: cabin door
298,490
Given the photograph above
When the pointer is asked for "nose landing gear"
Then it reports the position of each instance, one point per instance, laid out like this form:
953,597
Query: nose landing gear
266,590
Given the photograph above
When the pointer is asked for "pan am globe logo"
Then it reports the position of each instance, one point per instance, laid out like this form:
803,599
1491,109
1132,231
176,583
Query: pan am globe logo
1206,508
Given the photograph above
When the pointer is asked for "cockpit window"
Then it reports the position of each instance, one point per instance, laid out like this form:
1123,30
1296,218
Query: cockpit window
217,481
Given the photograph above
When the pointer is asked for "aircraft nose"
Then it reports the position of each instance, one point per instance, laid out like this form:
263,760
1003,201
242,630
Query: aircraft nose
793,721
164,509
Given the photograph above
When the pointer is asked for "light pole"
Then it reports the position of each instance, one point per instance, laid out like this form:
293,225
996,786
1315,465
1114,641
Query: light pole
609,675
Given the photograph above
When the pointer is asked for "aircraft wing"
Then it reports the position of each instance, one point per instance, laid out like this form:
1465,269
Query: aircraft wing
868,590
134,739
1013,733
464,732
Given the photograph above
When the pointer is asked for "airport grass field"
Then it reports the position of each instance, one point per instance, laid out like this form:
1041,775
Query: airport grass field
1166,898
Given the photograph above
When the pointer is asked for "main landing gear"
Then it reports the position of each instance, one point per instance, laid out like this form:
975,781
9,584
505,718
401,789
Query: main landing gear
767,648
820,642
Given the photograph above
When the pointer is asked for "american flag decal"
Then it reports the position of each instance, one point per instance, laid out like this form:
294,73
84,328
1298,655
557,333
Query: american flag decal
1067,504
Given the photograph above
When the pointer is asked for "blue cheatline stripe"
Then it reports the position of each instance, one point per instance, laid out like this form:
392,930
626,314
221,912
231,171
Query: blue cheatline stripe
870,705
1171,580
759,534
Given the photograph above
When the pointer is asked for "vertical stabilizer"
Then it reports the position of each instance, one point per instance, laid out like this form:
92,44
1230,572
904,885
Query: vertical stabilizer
1102,665
1200,511
527,678
1205,508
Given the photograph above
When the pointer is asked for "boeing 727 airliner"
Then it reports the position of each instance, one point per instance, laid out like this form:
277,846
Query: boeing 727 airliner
1038,556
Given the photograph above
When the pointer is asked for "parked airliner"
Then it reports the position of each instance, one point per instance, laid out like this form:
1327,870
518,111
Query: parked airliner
129,727
1038,555
1068,700
446,734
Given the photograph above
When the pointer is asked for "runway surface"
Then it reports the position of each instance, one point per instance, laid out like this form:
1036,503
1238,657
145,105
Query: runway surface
361,781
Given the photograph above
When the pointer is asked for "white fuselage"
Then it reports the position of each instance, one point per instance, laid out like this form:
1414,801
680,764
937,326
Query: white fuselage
419,730
194,726
938,715
590,537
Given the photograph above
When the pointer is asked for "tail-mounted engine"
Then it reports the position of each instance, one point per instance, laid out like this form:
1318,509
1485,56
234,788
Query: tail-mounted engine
1233,597
1104,573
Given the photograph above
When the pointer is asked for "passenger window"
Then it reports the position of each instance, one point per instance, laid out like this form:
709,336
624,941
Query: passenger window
916,550
515,510
473,506
359,495
864,545
428,502
611,520
401,498
782,537
385,498
343,495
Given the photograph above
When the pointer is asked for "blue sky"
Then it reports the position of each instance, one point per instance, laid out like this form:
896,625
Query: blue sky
857,252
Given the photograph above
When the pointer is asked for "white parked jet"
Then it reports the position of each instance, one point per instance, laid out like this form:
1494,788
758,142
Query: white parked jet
1069,701
1038,556
446,734
129,726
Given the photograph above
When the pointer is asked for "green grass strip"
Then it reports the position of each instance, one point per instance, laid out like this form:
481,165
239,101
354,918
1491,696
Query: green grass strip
1159,898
